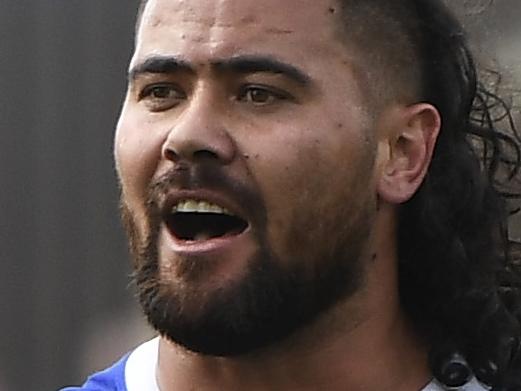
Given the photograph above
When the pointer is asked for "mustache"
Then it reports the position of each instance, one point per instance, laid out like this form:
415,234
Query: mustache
209,177
193,177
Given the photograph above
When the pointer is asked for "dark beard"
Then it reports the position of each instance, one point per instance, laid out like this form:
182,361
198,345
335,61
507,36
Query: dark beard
271,301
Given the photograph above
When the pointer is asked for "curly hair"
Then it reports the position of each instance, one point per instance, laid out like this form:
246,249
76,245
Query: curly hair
460,277
459,272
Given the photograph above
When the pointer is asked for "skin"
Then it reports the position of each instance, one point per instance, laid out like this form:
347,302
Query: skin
288,149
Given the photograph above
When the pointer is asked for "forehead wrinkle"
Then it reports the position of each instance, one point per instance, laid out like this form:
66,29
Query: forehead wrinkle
173,13
223,14
185,20
278,31
217,40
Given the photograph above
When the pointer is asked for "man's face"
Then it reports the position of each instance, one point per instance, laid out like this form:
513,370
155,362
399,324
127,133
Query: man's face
246,160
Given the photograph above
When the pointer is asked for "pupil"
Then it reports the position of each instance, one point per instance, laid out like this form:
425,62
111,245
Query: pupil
259,96
161,92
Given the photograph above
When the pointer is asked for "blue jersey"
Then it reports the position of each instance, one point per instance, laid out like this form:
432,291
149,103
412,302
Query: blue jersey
111,379
136,372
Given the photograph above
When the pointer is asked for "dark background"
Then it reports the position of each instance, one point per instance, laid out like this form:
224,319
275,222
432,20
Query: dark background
66,308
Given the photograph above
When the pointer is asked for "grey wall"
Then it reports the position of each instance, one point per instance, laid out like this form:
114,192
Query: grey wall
63,257
64,304
495,28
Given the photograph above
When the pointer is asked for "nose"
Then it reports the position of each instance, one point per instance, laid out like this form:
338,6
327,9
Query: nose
199,134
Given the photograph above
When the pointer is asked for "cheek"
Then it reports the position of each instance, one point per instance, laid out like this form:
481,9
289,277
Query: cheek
305,178
137,154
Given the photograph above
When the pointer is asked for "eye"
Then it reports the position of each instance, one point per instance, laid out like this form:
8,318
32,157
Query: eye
259,95
160,97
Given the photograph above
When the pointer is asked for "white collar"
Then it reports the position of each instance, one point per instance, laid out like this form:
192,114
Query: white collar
140,369
473,385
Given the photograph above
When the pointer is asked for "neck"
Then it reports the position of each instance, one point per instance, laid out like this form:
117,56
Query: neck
364,343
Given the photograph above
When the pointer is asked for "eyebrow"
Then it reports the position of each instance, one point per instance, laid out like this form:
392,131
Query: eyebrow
160,64
240,64
263,64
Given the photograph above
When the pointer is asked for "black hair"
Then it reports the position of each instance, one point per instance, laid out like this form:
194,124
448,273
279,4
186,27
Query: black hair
459,272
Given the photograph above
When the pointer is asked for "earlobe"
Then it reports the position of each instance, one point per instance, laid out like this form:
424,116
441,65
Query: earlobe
410,147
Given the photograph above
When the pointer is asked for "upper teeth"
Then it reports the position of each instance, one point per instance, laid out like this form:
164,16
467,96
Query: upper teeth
191,206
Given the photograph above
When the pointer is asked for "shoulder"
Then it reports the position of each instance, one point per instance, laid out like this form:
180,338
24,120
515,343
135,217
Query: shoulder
111,379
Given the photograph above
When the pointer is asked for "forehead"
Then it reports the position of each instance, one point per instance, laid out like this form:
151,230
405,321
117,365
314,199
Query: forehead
221,28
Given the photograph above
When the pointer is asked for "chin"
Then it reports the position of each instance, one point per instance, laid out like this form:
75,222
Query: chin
225,292
252,310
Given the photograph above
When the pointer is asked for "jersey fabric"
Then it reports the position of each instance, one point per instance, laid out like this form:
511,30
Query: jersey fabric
136,372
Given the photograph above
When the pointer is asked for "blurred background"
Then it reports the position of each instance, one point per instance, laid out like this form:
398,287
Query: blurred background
66,308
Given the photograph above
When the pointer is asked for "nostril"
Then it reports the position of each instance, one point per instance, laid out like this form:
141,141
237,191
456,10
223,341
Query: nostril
201,154
205,154
170,154
177,149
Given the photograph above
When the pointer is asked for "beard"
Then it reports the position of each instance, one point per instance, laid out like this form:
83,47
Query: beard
272,299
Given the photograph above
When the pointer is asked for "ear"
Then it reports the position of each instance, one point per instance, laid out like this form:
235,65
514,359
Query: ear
409,144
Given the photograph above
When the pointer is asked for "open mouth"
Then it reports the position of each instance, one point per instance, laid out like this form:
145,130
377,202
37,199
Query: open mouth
191,220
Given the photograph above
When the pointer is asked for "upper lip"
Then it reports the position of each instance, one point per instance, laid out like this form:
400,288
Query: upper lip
173,197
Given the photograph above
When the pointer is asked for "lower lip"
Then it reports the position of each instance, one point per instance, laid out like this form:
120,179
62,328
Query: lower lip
212,246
